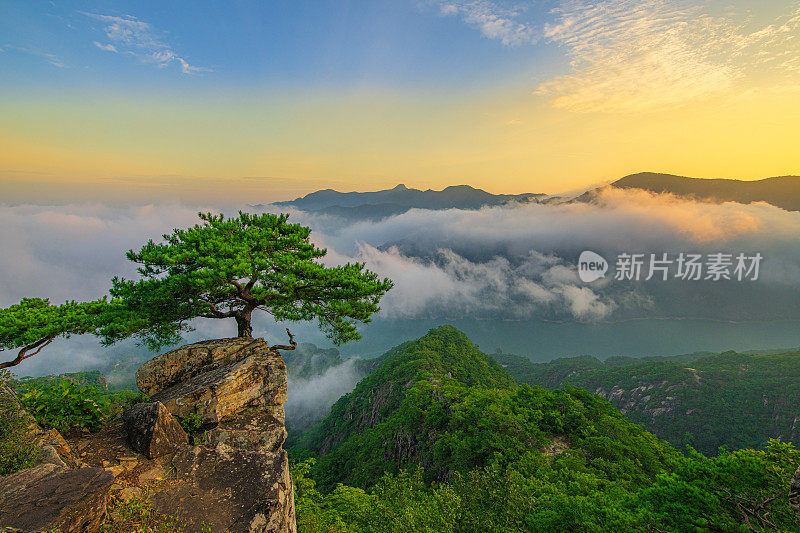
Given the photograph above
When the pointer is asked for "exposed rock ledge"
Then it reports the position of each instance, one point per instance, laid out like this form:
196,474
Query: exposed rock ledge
236,478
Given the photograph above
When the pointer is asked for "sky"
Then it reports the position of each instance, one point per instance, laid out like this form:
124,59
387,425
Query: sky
263,101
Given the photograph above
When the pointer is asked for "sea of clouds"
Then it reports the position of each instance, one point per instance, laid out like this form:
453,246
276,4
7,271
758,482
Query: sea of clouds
499,263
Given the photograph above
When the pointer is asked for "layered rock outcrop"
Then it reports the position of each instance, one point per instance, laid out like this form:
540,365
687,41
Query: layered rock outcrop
60,493
232,475
51,497
236,477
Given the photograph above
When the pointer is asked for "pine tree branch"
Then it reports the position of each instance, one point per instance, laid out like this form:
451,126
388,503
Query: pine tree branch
23,353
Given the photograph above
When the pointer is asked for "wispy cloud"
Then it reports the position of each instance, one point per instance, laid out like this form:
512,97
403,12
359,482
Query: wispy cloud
493,20
50,58
138,38
106,47
637,56
634,55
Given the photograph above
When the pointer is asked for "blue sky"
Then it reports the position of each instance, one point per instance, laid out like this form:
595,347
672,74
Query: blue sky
301,42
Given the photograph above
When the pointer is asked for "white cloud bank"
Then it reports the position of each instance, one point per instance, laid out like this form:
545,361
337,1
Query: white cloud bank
501,263
513,261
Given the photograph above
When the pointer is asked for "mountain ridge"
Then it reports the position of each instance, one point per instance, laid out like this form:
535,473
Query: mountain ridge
441,404
380,204
780,191
394,372
730,399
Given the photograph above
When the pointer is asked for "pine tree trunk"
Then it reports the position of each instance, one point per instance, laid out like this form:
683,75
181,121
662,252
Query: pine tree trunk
243,325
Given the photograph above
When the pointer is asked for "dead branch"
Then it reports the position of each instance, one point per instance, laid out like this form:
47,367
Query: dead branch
292,343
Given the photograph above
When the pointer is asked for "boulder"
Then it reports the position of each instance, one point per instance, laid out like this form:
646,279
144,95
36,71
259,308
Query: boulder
187,361
221,393
152,430
55,449
53,497
230,490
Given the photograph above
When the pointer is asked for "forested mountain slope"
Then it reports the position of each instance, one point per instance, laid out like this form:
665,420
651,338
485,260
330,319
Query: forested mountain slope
707,401
439,438
444,352
440,403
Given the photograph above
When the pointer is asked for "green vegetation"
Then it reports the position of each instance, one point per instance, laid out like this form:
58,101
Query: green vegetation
396,503
92,378
16,449
445,354
192,424
66,405
740,491
228,268
34,323
439,438
707,401
65,402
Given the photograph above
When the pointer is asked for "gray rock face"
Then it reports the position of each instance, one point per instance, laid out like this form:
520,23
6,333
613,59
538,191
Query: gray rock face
187,361
253,431
58,493
223,392
230,490
238,479
152,430
54,497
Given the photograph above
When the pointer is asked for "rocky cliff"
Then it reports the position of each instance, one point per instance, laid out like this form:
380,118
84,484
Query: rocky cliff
59,493
230,475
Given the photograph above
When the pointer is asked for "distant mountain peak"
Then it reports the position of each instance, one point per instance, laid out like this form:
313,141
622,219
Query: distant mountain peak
381,204
782,191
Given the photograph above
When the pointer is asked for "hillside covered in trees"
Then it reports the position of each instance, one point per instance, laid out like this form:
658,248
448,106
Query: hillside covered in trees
440,438
704,400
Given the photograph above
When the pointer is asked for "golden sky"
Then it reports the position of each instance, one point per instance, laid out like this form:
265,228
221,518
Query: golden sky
592,96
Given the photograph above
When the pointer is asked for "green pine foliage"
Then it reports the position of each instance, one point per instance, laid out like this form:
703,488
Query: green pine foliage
32,324
226,268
